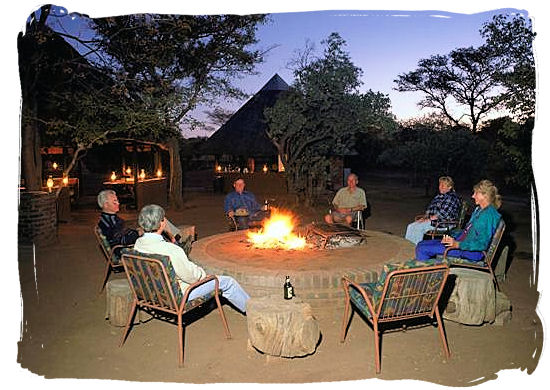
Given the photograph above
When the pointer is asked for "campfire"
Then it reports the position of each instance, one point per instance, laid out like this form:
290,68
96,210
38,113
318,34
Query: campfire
277,232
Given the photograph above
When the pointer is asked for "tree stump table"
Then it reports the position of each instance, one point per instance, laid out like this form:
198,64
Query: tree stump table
119,302
279,327
474,299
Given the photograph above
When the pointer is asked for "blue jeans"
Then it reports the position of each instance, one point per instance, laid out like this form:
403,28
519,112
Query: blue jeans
415,231
230,289
431,248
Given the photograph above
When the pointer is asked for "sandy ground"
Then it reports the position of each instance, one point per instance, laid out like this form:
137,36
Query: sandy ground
65,335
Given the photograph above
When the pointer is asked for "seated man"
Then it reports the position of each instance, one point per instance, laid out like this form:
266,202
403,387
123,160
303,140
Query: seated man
445,206
242,206
347,202
152,220
112,226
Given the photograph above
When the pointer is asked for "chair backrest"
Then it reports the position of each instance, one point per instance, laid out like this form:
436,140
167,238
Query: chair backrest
152,279
412,292
104,245
462,214
491,251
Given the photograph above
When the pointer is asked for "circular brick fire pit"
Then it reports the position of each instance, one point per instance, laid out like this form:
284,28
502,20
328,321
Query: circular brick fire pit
314,273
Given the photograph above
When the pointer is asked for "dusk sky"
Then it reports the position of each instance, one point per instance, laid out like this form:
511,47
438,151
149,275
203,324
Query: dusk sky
381,44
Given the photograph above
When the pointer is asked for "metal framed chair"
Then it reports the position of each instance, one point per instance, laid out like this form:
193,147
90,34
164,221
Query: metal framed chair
447,226
111,254
154,286
488,255
399,295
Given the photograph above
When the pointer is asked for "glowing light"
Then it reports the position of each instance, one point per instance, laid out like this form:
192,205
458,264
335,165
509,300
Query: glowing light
54,165
219,168
277,232
65,180
264,169
159,173
49,183
128,171
113,176
142,174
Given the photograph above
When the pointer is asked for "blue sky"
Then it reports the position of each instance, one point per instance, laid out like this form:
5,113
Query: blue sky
382,43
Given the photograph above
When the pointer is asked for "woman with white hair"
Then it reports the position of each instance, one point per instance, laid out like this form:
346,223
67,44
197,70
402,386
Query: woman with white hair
153,221
477,234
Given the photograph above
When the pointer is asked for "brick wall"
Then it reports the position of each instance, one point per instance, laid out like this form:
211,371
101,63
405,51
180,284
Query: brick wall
37,218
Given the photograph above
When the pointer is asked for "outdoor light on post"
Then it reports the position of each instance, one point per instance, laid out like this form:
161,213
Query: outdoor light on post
49,183
113,176
142,174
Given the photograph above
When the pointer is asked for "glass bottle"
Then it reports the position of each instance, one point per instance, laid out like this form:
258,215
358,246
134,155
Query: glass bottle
288,290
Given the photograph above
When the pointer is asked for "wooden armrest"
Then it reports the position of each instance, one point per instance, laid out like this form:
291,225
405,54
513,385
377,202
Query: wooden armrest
346,282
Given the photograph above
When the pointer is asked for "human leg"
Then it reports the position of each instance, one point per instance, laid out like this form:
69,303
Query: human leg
415,231
427,249
230,289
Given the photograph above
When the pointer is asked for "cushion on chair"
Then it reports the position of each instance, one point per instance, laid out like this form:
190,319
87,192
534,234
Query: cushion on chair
116,256
157,277
459,260
374,289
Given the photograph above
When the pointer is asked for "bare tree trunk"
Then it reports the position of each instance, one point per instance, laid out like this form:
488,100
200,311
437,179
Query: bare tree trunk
30,156
175,193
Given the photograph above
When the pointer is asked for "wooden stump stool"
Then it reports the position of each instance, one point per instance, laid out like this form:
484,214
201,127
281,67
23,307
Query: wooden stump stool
280,327
473,299
119,302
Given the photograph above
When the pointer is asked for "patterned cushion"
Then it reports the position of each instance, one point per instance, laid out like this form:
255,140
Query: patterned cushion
116,256
156,277
459,260
374,290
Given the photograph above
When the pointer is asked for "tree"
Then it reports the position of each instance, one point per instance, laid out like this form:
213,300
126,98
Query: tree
321,115
498,74
464,77
152,71
510,38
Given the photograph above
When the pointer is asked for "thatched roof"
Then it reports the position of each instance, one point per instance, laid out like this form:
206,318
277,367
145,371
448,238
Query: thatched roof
244,134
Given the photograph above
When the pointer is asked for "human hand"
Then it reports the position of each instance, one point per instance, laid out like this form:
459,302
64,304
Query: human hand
230,214
140,231
449,241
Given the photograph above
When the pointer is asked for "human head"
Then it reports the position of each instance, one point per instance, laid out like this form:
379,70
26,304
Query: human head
487,189
446,184
352,180
151,217
239,185
108,201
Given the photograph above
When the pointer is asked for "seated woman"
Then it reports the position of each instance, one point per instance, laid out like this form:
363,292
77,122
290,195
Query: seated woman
445,206
477,234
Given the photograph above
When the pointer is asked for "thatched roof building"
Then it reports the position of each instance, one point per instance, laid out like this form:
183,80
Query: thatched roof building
243,136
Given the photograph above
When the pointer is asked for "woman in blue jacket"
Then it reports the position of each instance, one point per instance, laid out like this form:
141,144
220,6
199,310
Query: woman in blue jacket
477,234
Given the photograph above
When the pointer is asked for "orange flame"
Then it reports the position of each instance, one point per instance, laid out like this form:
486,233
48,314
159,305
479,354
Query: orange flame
276,232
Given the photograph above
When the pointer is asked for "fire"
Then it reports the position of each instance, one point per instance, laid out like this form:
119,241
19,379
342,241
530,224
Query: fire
276,232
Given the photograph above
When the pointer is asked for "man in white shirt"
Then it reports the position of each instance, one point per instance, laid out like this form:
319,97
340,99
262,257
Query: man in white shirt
347,202
152,220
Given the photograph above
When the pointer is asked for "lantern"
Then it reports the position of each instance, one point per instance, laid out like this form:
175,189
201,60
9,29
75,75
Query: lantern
159,173
142,174
49,183
128,171
54,165
65,180
264,169
219,168
113,176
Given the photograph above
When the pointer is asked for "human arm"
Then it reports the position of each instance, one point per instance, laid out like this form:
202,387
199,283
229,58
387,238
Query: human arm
185,269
